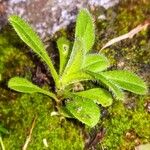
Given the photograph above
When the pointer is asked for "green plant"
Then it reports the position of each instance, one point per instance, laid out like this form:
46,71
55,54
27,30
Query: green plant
77,65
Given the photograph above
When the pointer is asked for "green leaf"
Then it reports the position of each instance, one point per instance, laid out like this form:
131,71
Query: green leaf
126,80
98,95
95,63
63,45
27,34
110,84
65,112
84,39
76,59
3,130
84,110
85,29
23,85
75,62
76,77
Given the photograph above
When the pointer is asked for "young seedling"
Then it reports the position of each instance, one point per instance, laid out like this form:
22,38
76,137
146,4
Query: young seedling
77,64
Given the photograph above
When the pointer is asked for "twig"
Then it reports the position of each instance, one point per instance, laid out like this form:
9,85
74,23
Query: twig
28,139
1,142
128,35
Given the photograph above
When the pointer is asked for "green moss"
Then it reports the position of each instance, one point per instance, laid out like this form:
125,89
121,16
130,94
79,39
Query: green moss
134,53
13,56
123,121
59,135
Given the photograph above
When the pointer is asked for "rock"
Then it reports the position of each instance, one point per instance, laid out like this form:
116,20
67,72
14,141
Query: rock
2,13
49,16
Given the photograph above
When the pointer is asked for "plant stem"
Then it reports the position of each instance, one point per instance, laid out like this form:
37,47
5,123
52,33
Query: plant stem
50,95
1,142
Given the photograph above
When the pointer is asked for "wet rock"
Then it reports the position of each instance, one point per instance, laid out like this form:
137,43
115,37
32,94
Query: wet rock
49,16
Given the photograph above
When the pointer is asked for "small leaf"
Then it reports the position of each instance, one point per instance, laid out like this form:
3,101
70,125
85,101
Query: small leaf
27,34
75,62
110,84
84,110
76,77
63,45
23,85
95,63
98,95
76,59
3,130
126,80
85,29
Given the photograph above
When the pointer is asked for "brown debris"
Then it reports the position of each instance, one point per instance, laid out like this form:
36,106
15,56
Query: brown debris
147,106
93,141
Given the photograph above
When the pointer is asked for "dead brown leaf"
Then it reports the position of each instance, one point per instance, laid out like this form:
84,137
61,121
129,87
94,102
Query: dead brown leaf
28,139
128,35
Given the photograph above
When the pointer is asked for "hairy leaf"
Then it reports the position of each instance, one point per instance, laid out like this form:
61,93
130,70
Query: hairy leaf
99,96
27,34
110,84
23,85
95,63
84,39
76,77
85,29
84,110
126,80
63,45
75,62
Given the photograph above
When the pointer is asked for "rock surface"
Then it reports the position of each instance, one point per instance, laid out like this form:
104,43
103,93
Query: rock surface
49,16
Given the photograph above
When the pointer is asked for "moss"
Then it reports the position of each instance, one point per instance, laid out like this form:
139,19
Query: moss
13,56
134,53
59,134
126,126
